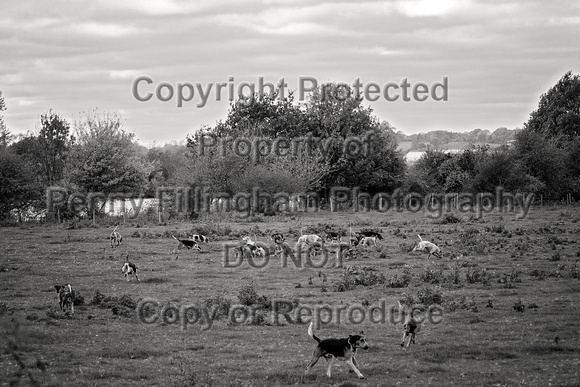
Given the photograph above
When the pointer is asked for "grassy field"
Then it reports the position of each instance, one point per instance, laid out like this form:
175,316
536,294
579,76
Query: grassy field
509,290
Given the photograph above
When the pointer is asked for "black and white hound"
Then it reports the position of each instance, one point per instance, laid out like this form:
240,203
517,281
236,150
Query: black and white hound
372,234
341,349
366,241
277,238
332,235
254,248
200,238
187,243
116,238
65,298
129,268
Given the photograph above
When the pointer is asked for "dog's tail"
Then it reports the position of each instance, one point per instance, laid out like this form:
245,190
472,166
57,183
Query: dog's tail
69,289
421,239
115,229
311,334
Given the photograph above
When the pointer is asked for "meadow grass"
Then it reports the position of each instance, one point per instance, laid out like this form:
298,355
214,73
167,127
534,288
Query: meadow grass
510,309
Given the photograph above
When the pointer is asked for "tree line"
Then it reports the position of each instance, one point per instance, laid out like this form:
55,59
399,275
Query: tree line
96,153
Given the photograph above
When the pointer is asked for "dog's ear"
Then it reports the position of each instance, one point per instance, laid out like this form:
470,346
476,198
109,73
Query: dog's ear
57,287
362,333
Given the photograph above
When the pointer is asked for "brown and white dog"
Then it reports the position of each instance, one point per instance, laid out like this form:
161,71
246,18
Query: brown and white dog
427,246
116,238
411,324
129,268
341,349
65,298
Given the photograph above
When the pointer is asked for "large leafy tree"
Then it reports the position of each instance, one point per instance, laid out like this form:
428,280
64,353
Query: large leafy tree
47,150
549,144
105,157
327,117
558,111
53,142
18,188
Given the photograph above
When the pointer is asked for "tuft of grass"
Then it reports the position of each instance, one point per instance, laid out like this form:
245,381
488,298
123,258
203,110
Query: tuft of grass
155,280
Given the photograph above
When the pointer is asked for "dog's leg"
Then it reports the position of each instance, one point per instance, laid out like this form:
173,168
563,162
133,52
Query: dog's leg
404,337
315,356
351,364
355,363
328,370
137,277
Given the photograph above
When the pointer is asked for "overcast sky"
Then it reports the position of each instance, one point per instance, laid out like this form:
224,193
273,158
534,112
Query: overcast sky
76,56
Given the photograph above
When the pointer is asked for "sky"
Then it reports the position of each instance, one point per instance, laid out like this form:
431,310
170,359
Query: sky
426,65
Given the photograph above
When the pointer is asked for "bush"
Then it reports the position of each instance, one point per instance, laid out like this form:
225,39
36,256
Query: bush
220,304
248,296
519,306
430,296
401,280
432,274
347,281
477,274
449,218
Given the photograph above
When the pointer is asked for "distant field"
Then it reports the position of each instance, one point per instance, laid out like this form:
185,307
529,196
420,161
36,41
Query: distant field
509,289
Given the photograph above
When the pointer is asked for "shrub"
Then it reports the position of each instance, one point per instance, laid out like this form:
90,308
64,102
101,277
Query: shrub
401,280
449,218
454,275
369,278
432,275
220,304
346,282
248,296
478,274
430,296
519,306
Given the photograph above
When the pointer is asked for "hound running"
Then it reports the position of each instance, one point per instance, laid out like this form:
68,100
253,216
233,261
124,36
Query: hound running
341,349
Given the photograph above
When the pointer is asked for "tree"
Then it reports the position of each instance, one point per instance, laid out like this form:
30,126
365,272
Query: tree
328,126
548,144
171,165
4,133
546,160
558,111
501,167
105,157
18,189
428,169
52,145
47,151
335,113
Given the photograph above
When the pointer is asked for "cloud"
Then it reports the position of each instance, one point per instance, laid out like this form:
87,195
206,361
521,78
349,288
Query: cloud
124,74
423,8
106,30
